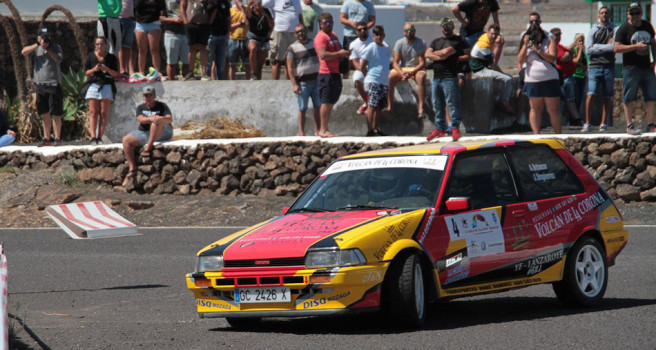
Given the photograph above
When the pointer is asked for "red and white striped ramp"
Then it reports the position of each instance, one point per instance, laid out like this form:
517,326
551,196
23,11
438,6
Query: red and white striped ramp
90,220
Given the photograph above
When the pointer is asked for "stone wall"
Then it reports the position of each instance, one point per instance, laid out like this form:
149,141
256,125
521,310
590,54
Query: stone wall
625,167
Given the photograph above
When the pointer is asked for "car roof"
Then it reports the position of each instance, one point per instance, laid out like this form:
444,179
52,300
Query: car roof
452,148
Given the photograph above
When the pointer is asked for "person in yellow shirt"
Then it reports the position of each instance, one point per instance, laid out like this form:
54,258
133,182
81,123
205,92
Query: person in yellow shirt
237,46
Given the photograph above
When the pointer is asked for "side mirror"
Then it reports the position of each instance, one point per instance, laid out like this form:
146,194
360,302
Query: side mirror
284,210
457,203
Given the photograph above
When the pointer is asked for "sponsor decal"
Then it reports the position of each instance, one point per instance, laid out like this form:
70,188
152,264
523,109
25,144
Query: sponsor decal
481,230
372,276
395,233
212,304
536,264
563,214
520,234
338,296
532,206
422,162
612,219
454,259
539,174
489,287
429,223
457,273
314,303
246,244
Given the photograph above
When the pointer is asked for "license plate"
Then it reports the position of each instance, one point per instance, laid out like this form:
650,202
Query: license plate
262,295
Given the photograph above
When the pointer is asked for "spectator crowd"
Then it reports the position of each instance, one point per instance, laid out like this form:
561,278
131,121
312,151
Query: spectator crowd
297,36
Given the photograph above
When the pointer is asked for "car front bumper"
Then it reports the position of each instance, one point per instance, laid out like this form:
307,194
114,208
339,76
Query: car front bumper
313,292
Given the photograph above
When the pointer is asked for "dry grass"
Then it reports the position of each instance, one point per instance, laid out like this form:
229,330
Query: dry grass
218,128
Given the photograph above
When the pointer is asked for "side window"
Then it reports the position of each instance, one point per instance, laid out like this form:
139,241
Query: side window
484,178
542,173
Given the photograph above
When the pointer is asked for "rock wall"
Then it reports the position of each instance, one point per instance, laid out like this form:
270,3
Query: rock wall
625,167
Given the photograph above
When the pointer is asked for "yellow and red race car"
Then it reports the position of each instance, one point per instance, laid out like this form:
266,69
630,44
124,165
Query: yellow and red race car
394,229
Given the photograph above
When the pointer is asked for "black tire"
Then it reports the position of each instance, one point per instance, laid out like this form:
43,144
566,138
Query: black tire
405,291
585,276
245,323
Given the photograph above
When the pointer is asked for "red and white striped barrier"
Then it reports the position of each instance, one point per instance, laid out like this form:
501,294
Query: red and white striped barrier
4,325
90,220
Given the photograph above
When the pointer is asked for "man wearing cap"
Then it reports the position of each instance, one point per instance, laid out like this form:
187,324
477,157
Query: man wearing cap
444,52
409,64
154,119
634,40
47,79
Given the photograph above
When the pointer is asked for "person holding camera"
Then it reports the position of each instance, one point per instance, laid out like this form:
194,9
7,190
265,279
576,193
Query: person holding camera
102,68
47,82
260,23
541,81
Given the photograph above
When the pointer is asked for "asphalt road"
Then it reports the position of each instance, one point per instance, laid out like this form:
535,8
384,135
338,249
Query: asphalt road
130,293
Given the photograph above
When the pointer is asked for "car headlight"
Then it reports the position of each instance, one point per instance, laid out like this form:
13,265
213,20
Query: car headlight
334,258
209,263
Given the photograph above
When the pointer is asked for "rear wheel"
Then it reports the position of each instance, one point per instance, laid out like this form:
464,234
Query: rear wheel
586,275
405,292
245,323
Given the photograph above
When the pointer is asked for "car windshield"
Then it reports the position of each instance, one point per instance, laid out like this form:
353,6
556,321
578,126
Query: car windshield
404,182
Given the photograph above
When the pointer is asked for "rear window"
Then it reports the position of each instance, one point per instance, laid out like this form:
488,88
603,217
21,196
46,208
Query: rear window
542,173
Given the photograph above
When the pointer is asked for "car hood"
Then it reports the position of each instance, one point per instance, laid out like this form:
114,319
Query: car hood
292,234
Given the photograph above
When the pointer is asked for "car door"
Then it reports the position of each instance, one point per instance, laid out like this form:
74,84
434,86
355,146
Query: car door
477,244
546,214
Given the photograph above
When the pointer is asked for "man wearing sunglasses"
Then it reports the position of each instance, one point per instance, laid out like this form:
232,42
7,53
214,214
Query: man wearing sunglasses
329,50
357,50
634,40
409,64
303,68
352,12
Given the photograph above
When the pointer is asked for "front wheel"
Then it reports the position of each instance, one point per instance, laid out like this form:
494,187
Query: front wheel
405,291
586,275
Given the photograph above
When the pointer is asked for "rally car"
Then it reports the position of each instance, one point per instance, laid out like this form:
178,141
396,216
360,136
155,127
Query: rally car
394,229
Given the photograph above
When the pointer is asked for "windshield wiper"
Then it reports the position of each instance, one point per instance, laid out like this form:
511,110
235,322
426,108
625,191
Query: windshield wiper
308,210
364,206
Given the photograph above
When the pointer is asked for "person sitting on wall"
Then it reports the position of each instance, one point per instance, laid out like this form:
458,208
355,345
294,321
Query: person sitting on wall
7,136
154,119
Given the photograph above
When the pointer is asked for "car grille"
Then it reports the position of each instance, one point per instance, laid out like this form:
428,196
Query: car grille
266,262
253,281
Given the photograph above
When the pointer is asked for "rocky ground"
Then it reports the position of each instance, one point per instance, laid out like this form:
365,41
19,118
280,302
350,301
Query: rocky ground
24,196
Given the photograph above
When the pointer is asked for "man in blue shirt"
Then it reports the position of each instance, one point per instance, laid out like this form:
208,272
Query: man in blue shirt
375,67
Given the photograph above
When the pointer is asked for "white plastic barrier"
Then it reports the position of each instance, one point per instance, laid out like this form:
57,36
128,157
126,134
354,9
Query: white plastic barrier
90,220
4,325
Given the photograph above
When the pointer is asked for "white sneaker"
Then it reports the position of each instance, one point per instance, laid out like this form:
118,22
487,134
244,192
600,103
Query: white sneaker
603,128
586,128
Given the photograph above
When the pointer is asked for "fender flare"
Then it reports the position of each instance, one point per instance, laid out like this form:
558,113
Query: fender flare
400,245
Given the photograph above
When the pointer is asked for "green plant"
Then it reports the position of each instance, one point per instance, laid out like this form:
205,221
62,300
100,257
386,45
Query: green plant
67,176
8,169
73,82
12,107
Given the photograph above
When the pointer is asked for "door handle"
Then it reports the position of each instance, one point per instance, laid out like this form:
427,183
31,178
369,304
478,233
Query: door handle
518,213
